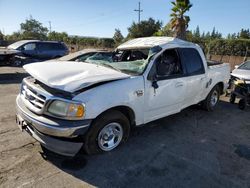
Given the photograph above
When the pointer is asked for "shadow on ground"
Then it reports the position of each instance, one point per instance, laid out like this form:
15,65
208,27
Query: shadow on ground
12,78
194,148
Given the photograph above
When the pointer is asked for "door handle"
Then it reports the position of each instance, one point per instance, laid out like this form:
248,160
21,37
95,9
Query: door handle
179,84
203,78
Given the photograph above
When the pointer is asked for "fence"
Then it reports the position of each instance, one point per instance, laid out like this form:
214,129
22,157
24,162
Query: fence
232,60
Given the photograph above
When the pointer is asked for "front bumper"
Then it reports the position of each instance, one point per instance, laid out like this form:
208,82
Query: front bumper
55,134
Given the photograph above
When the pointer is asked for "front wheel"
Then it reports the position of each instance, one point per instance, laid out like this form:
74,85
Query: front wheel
212,99
107,132
17,63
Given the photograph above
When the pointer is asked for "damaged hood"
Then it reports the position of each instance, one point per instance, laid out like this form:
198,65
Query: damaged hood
71,76
241,73
6,51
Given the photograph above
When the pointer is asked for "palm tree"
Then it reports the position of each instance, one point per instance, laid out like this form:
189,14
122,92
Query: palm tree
179,22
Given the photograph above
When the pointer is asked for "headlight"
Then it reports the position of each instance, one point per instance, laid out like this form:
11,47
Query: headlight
66,109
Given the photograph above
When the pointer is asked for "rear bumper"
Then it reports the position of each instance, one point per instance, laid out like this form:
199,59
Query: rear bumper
55,134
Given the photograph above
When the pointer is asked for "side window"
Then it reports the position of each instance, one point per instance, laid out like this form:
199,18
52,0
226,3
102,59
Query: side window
42,46
29,46
58,46
192,61
168,64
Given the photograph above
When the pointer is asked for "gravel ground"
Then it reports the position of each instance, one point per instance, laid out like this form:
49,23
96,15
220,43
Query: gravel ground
194,148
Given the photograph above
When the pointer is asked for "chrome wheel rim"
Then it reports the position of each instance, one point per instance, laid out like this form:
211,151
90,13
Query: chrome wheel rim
214,98
110,136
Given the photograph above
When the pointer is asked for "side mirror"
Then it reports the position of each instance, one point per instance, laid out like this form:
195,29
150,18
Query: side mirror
236,66
154,82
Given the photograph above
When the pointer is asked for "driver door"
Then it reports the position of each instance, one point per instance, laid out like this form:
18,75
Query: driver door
167,98
29,49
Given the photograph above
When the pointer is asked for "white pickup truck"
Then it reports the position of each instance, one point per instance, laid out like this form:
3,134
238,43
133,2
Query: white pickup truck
67,106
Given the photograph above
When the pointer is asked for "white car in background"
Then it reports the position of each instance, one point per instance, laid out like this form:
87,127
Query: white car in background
242,71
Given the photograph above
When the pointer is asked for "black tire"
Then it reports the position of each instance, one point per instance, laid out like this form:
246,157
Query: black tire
17,63
232,98
207,103
242,104
91,145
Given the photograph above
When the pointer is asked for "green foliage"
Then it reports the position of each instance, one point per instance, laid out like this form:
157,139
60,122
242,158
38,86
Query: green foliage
14,37
196,33
90,41
57,36
165,31
33,29
212,42
145,28
106,42
118,37
237,47
179,21
1,36
244,34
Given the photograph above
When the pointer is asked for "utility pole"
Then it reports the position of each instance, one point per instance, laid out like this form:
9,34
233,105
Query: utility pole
50,26
139,10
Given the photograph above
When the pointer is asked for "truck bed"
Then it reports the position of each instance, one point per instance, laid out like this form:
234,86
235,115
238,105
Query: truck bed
212,63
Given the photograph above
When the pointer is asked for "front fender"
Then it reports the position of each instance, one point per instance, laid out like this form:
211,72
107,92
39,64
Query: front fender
117,93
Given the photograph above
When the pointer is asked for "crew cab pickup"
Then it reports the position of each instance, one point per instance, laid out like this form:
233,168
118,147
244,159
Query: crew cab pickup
68,106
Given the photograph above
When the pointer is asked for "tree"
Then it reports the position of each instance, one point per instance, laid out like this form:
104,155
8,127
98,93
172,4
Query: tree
58,36
33,29
196,33
213,34
179,22
118,37
145,28
14,36
244,34
1,36
207,36
165,31
203,35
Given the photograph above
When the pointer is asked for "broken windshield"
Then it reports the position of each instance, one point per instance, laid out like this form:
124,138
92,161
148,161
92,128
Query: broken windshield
132,62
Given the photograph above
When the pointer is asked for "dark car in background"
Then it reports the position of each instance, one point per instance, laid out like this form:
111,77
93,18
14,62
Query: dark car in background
36,50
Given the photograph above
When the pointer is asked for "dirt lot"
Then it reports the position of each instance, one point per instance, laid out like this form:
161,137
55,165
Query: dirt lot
191,149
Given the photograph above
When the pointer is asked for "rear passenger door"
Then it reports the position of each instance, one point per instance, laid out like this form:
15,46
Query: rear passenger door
195,78
43,51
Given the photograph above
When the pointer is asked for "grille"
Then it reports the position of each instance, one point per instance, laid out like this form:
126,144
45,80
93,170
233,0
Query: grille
36,101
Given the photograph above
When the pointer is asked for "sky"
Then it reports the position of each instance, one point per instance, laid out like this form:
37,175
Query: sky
99,18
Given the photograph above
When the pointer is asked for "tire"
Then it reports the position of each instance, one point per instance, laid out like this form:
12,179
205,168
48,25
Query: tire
232,98
98,140
242,104
212,99
17,63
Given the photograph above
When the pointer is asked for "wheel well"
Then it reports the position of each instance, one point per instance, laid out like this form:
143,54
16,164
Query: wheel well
127,111
221,87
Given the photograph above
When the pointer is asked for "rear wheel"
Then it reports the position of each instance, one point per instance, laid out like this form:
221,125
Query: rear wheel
242,104
107,132
232,98
212,99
